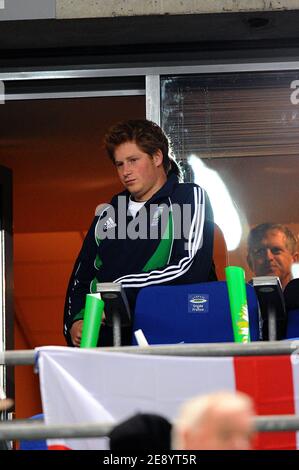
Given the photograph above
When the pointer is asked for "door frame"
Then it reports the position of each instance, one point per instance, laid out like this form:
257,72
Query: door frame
6,276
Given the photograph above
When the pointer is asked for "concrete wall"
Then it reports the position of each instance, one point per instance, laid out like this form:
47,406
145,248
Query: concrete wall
109,8
63,9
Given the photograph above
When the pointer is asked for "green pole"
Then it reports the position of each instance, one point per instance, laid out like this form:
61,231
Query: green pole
93,313
235,280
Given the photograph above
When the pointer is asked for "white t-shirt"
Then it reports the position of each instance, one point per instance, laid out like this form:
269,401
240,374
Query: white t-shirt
134,207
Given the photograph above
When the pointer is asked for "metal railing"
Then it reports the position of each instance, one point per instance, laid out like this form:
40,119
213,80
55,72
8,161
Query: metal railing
269,348
31,430
36,430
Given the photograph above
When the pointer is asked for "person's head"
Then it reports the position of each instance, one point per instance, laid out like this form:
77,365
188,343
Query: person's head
218,421
272,249
143,431
140,151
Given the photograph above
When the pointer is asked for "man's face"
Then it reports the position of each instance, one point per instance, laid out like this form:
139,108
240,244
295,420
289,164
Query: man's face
140,173
224,430
272,257
233,431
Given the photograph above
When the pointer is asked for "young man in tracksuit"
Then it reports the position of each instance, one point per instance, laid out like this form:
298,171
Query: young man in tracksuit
157,231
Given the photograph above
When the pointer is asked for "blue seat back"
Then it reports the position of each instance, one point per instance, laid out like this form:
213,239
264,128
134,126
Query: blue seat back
190,313
293,324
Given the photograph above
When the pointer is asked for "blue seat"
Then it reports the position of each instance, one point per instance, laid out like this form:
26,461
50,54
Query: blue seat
190,313
293,324
39,444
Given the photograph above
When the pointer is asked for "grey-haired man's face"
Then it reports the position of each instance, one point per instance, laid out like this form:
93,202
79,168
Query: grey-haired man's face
271,256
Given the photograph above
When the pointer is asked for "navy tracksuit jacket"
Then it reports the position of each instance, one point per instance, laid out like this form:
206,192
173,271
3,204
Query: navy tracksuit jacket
170,241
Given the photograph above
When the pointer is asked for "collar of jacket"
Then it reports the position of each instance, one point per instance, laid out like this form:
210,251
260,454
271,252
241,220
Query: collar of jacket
166,190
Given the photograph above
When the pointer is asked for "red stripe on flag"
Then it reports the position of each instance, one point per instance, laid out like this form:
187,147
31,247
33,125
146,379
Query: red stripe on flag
58,447
269,381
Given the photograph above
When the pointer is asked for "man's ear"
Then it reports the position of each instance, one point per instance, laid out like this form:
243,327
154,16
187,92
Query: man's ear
158,158
295,257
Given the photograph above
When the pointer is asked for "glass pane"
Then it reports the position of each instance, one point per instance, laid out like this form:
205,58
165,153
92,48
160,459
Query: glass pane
238,136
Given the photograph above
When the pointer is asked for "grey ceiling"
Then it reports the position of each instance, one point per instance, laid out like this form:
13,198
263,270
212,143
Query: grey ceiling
145,35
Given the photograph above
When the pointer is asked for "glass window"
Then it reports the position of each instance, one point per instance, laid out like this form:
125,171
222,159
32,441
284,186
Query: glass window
237,135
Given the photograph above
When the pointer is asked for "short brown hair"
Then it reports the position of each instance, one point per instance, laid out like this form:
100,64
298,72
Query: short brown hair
147,135
257,234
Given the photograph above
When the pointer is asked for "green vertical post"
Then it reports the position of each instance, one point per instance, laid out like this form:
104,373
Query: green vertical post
93,313
235,280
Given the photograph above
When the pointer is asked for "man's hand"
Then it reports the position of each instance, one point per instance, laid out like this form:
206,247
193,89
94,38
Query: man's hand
76,332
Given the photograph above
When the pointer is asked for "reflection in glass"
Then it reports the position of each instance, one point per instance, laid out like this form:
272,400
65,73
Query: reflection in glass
225,213
244,127
295,270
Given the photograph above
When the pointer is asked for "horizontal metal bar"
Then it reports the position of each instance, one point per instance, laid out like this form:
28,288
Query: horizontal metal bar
18,358
276,423
72,94
269,348
13,430
126,71
37,430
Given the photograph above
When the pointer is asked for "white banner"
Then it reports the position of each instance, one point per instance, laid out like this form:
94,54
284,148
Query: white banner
87,385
